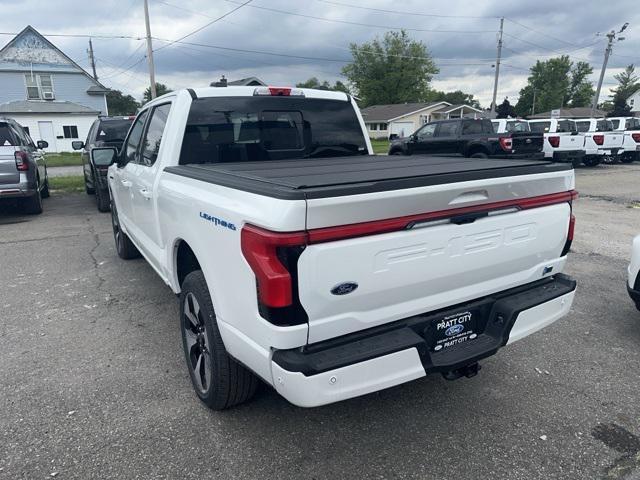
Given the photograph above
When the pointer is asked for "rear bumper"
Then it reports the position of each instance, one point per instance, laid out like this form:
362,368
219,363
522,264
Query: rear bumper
381,357
568,156
520,156
17,190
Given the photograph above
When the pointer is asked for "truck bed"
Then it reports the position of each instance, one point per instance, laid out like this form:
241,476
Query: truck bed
307,178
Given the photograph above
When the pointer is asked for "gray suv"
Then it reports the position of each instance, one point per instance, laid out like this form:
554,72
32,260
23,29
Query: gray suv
23,169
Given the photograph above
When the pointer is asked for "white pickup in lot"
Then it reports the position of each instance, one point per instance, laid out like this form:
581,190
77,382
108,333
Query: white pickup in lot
328,272
630,128
601,142
562,143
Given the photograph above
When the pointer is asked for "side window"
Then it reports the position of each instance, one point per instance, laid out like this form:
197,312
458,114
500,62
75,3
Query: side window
447,129
472,128
20,136
91,133
153,136
427,131
134,137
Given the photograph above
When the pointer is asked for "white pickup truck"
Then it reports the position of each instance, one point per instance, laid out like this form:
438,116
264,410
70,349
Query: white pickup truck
302,259
630,128
601,143
562,143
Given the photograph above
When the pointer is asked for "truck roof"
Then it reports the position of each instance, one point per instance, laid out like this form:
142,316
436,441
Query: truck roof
250,91
298,179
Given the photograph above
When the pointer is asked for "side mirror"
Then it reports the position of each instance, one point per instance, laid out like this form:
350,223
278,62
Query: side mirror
77,144
104,156
42,144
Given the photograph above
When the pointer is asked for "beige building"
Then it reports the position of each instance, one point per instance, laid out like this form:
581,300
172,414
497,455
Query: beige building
403,119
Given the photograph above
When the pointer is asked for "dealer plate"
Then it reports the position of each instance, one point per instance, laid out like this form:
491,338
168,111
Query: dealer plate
453,329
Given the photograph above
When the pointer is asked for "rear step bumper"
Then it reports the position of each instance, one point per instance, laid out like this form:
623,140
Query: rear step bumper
569,156
381,357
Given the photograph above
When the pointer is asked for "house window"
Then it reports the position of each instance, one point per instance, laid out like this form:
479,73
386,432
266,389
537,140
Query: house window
39,87
374,126
631,102
70,131
383,126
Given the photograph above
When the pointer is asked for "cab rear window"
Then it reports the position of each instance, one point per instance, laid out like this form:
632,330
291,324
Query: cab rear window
238,129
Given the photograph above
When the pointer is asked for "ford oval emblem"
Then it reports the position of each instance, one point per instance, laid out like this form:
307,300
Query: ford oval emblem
454,330
344,288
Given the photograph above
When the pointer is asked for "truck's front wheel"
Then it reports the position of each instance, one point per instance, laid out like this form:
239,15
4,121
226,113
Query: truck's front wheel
125,248
219,381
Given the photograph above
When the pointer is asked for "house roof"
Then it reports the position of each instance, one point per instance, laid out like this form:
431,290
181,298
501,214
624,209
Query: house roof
30,50
32,106
386,113
453,108
248,82
578,112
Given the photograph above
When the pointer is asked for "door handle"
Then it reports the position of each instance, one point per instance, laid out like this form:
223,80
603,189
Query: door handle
145,193
126,183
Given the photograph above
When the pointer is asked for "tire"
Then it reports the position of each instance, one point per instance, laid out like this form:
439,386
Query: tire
396,152
125,248
479,155
219,381
32,205
591,162
102,198
627,158
44,193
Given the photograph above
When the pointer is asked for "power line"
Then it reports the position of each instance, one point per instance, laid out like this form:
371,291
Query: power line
359,24
540,32
382,10
208,24
543,48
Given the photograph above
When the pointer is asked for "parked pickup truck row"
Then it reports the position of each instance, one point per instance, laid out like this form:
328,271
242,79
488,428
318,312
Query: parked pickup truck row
302,259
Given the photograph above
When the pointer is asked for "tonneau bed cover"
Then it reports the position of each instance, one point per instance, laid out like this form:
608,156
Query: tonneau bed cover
296,179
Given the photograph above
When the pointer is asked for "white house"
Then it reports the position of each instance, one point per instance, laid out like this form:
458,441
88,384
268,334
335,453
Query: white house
47,92
402,119
634,102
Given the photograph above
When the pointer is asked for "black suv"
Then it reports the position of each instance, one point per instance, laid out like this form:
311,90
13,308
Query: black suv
469,137
105,132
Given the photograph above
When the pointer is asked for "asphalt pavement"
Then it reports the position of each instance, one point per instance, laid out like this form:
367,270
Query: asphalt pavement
94,383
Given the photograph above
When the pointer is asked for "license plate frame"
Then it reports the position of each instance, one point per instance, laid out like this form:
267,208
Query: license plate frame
453,329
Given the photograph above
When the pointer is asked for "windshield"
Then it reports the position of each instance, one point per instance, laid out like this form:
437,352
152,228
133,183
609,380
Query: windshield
604,126
238,129
540,127
113,130
518,126
6,138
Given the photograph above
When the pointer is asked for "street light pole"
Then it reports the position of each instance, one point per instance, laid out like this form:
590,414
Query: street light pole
611,36
152,74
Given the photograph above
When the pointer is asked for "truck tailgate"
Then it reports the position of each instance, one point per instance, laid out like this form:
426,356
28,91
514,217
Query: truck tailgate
569,141
434,262
613,140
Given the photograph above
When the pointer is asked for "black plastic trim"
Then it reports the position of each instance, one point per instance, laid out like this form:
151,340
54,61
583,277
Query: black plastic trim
192,92
299,179
498,314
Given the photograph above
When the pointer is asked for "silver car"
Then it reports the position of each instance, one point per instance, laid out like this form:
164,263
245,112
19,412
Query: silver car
23,168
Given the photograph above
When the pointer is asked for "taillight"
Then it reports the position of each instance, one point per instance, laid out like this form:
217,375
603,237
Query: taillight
598,139
506,143
636,137
278,92
22,161
554,141
260,248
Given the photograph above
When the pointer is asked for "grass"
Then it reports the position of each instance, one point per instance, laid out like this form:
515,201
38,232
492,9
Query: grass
380,145
64,159
67,184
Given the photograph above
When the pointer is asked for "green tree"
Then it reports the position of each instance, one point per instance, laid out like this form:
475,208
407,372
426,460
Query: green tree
161,89
394,69
120,104
557,83
628,84
313,82
505,109
457,97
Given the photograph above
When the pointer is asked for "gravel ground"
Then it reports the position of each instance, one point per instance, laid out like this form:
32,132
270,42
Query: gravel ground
94,383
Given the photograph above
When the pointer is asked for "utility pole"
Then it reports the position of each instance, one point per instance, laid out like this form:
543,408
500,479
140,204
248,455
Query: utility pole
611,36
92,60
533,105
152,74
495,81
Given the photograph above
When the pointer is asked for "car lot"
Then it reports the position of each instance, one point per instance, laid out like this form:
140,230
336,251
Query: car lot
94,383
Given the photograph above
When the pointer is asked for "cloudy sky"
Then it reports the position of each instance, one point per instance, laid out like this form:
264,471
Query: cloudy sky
287,41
